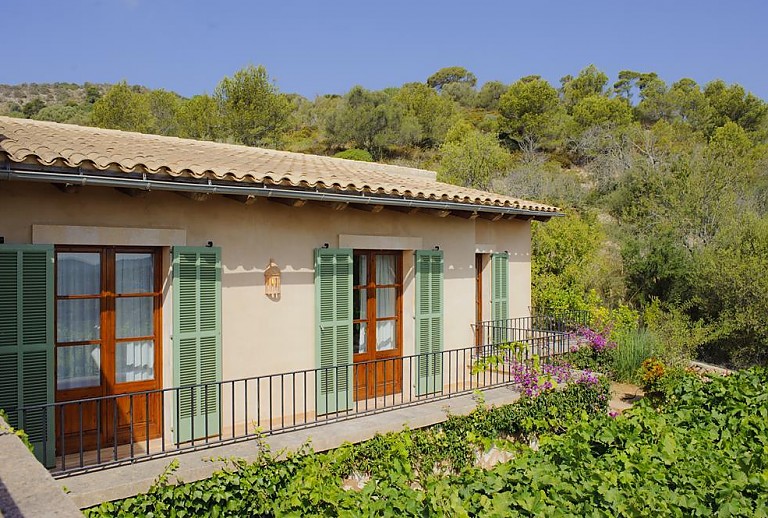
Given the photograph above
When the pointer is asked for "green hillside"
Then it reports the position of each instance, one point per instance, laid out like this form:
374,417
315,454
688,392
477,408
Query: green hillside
665,182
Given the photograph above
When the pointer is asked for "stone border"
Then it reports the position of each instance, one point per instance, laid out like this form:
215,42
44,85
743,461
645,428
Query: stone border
26,487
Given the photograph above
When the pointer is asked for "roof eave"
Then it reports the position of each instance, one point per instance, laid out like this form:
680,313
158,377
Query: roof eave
59,175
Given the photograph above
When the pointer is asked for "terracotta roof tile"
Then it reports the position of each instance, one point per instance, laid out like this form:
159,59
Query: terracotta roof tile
81,146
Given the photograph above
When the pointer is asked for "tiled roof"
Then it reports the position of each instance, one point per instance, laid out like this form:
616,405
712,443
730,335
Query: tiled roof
65,145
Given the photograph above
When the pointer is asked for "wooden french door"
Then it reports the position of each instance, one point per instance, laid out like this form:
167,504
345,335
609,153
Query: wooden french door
108,322
478,302
377,342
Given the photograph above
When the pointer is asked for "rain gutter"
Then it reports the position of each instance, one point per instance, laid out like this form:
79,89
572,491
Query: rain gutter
209,187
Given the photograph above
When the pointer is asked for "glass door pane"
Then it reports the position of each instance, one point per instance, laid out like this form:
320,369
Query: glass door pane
134,317
386,338
134,361
78,273
78,366
78,320
134,273
386,269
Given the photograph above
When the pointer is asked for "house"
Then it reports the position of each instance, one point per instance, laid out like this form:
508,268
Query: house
145,281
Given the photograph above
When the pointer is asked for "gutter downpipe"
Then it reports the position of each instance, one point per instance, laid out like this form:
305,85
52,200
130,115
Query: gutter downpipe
264,192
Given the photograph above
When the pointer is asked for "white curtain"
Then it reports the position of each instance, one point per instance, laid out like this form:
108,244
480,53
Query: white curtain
134,361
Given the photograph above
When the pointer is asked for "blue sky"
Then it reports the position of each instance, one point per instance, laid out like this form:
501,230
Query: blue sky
317,47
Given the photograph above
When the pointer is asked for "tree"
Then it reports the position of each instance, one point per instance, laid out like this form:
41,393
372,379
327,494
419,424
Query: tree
199,118
470,158
448,75
123,108
563,255
732,290
373,121
597,110
733,103
531,114
589,83
67,114
489,95
164,106
92,93
654,103
254,112
460,93
690,105
434,113
31,108
360,155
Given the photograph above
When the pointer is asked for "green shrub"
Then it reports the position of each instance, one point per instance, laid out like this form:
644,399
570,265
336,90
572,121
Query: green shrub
355,154
703,454
310,483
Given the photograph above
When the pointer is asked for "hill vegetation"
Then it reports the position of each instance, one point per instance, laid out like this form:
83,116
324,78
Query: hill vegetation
665,185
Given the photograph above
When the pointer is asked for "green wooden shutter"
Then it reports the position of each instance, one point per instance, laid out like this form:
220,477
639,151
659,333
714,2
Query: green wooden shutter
500,296
333,335
26,343
429,321
196,341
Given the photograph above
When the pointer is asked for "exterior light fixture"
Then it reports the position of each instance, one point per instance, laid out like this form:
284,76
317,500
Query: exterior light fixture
272,280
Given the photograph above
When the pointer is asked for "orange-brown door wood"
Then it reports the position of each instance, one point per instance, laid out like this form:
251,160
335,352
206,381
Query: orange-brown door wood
377,324
478,301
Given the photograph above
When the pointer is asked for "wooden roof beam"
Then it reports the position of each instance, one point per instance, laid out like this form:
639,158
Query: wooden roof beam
133,193
246,199
366,207
438,212
519,217
404,210
195,196
68,188
470,215
490,216
291,202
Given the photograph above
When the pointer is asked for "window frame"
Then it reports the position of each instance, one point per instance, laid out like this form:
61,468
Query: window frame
371,353
108,340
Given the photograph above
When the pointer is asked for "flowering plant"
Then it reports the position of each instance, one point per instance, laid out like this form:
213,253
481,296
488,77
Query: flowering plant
597,341
534,379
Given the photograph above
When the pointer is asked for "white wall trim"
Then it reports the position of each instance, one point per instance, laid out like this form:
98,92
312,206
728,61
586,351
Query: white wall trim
380,242
107,236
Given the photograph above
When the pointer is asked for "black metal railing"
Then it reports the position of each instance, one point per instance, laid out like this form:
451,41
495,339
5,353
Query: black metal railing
563,319
523,336
111,430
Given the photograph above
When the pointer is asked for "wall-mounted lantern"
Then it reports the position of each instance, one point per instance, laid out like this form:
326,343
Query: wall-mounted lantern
272,280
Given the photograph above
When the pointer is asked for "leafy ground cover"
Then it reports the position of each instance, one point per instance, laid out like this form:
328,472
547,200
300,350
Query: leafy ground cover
310,483
700,451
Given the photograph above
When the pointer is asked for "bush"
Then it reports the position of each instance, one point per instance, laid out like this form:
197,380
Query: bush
309,483
355,154
701,455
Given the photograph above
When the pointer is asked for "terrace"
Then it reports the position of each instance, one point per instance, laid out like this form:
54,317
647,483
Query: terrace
242,409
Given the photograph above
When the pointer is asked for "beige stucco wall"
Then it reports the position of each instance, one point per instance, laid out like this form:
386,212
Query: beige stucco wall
262,335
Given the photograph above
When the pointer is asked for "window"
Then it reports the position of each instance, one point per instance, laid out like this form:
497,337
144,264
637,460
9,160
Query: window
377,296
107,318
